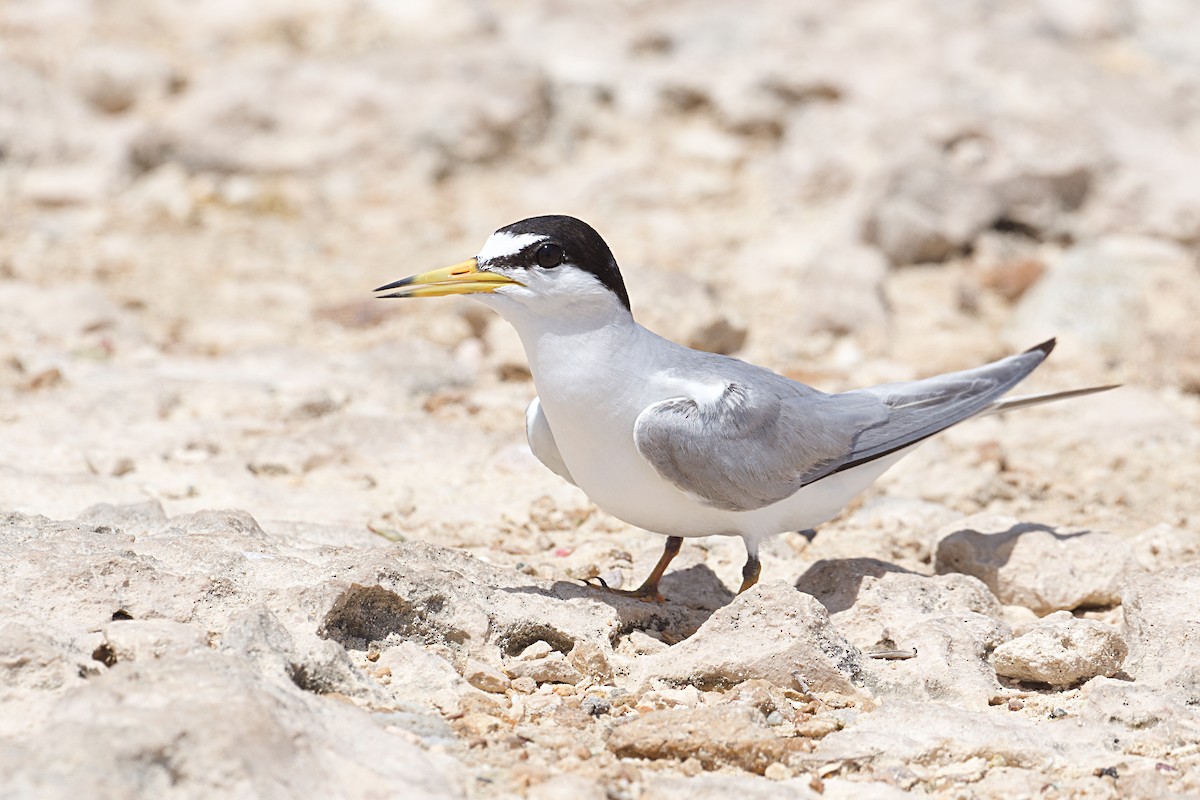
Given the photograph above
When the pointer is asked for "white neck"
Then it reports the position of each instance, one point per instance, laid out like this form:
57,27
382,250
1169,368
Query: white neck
569,339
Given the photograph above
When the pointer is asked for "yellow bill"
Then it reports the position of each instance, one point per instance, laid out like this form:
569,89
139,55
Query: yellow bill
464,278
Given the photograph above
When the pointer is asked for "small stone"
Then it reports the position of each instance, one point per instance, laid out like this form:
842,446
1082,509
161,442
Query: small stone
1062,653
1058,713
590,660
1016,704
554,668
539,649
485,677
524,685
928,213
777,772
596,706
770,700
642,644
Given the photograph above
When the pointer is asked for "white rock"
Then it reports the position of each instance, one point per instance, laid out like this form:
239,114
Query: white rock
1041,568
32,660
113,79
130,640
1164,546
768,632
949,622
553,668
1160,628
122,738
137,519
1062,653
863,594
928,213
1129,298
485,677
912,736
423,678
715,786
591,660
1138,707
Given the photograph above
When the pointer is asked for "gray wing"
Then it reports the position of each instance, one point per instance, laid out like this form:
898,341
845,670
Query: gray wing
765,436
919,409
753,445
541,441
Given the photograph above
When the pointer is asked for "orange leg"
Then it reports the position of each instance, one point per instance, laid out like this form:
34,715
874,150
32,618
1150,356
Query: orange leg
750,572
649,588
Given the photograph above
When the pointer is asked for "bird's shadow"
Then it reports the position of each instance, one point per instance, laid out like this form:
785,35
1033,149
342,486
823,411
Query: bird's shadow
692,595
835,582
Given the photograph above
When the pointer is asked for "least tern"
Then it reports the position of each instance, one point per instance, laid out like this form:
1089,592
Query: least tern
688,443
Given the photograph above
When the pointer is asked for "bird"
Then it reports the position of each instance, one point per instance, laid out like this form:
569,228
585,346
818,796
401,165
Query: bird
687,443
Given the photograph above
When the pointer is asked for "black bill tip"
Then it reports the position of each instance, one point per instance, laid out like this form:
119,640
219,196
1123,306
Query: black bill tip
395,285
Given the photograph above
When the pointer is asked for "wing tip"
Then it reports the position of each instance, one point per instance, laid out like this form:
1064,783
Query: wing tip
1045,348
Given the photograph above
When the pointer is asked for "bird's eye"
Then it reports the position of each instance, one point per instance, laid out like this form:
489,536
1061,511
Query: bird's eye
549,255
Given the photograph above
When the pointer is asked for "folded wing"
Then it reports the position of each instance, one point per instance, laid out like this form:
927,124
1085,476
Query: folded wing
762,438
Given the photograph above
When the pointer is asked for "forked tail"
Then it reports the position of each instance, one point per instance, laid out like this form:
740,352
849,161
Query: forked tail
1024,401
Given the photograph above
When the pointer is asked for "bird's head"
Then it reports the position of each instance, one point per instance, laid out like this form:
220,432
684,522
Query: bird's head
539,266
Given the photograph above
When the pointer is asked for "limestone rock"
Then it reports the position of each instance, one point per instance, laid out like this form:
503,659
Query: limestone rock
949,662
227,730
948,622
485,677
736,736
1128,298
717,786
552,668
909,735
768,632
414,675
1035,566
1164,641
130,640
33,660
1062,653
1164,546
136,519
876,588
1140,710
591,660
928,213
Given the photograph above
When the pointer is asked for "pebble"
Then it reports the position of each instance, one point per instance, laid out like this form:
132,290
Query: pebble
596,706
778,772
1062,653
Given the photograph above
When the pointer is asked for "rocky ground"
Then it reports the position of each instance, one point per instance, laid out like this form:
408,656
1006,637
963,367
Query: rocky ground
264,536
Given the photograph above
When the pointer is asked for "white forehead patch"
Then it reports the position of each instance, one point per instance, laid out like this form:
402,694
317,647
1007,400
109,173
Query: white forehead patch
502,244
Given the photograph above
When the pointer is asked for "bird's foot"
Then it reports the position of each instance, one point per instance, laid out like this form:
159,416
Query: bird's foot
647,592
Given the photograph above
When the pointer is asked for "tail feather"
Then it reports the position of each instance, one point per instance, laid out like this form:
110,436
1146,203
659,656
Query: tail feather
1024,401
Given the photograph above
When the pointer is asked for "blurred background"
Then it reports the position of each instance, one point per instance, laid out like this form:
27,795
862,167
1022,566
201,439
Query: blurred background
199,196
